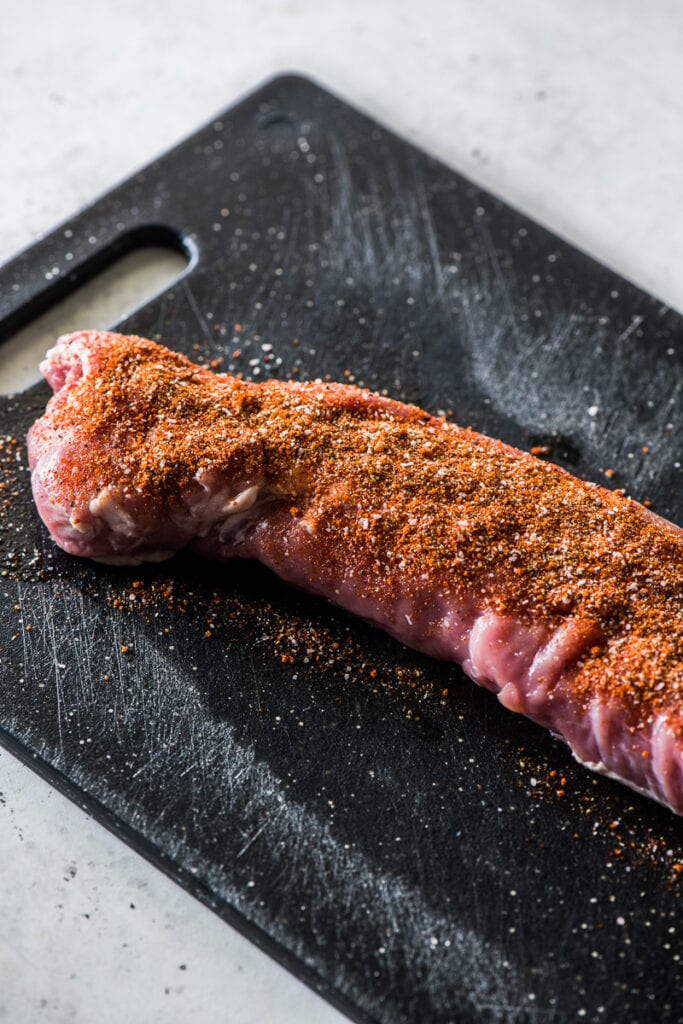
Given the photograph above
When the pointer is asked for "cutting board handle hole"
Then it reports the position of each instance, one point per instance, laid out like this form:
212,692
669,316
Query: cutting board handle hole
99,293
279,128
276,119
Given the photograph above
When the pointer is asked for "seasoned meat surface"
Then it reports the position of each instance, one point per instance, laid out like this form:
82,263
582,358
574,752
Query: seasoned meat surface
563,598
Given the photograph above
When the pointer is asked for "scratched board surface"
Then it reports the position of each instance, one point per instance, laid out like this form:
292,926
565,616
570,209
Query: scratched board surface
368,816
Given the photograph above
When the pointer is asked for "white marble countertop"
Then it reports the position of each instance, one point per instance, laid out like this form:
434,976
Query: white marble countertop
570,110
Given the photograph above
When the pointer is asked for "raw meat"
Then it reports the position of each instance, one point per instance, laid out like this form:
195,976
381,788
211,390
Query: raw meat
563,598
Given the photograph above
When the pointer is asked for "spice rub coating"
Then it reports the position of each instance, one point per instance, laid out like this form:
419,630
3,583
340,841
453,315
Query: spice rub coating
562,597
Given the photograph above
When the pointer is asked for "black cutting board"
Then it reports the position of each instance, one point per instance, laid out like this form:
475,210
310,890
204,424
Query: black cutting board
382,827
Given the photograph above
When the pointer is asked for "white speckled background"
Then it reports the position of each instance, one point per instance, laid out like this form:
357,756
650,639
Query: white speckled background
571,111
